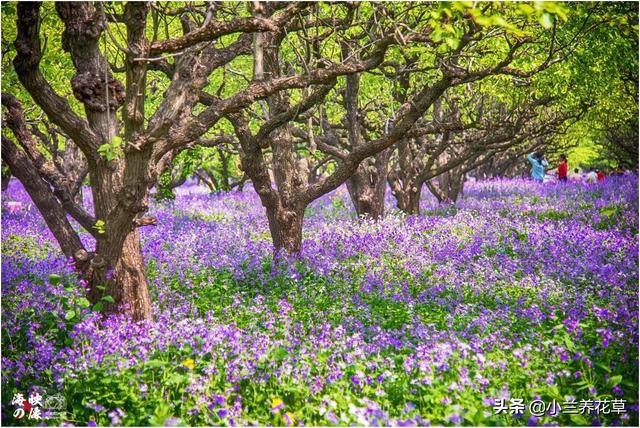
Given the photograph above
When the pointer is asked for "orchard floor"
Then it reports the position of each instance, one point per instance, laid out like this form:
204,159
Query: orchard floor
524,293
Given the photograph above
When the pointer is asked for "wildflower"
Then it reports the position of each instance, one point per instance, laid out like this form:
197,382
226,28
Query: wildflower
289,419
455,419
116,416
219,400
189,363
331,417
276,405
172,421
96,407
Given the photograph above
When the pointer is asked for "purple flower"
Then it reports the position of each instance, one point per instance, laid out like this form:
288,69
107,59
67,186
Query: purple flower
96,407
455,419
331,417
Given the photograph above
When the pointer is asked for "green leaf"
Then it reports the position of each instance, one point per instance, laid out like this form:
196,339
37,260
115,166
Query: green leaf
579,420
108,299
70,315
97,307
99,226
116,141
614,380
55,279
568,341
452,42
83,302
526,9
279,353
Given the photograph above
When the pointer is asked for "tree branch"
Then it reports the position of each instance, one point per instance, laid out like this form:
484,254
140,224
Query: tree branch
27,68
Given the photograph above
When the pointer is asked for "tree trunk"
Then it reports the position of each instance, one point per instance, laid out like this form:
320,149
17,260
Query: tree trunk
409,200
120,193
125,281
285,226
367,203
368,185
404,179
449,185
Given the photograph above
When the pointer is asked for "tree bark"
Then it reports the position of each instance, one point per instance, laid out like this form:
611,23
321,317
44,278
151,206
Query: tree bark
285,226
368,185
409,201
123,277
404,180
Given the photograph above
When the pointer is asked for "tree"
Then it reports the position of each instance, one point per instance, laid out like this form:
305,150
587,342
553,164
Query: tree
286,196
127,148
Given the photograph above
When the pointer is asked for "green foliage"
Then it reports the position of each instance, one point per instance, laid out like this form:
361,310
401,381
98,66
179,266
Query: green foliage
163,191
26,245
99,226
112,150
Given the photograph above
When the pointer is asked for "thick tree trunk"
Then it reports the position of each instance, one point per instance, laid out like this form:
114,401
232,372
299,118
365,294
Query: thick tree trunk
366,202
409,201
120,195
285,226
404,179
123,278
367,187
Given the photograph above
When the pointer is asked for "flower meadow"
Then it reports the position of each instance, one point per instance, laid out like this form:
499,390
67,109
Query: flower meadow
522,291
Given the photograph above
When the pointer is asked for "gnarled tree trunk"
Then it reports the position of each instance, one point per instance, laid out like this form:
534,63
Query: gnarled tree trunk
368,185
121,276
404,179
285,226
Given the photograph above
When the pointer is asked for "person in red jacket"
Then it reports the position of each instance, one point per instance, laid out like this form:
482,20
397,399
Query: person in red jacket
600,175
562,168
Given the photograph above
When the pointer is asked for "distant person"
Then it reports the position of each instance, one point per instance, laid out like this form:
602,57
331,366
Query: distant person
592,176
600,175
538,164
575,176
562,168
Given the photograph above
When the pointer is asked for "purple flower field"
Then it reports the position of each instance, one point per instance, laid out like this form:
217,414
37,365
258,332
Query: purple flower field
522,292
